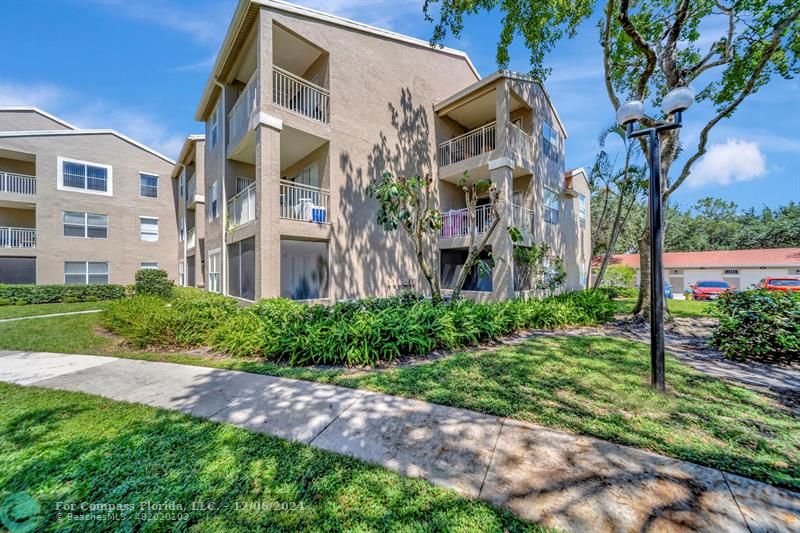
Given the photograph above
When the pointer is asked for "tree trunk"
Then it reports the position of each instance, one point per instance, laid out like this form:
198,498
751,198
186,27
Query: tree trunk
615,231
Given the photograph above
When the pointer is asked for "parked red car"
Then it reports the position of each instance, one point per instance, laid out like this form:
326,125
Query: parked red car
779,284
709,290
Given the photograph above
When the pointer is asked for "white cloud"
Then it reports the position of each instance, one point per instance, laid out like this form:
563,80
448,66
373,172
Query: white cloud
390,15
734,161
43,96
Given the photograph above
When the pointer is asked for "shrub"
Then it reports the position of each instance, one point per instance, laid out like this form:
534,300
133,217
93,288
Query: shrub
69,300
48,294
153,282
187,321
758,325
20,301
5,301
619,276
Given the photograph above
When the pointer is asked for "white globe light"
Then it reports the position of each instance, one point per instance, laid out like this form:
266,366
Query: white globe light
630,112
679,99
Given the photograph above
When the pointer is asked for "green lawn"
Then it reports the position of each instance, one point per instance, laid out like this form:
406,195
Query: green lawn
590,385
678,308
68,448
15,311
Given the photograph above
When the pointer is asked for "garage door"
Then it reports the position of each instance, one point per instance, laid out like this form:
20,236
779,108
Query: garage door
16,270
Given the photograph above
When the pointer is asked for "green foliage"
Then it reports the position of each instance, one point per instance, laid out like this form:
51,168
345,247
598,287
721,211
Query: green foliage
621,276
153,282
537,268
758,325
48,294
5,301
619,292
373,330
187,321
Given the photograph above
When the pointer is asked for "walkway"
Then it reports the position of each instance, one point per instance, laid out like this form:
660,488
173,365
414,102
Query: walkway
50,315
556,478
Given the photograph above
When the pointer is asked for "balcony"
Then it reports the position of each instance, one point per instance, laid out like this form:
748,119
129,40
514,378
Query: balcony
239,116
523,219
17,237
242,207
191,239
455,223
300,96
304,202
17,183
470,144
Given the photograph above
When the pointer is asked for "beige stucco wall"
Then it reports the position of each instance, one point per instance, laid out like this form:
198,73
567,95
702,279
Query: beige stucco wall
27,120
123,248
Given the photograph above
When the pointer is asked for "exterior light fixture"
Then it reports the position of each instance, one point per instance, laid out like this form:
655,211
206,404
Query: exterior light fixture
674,104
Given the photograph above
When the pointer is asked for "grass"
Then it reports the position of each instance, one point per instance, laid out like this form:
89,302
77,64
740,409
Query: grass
69,448
590,385
678,308
16,311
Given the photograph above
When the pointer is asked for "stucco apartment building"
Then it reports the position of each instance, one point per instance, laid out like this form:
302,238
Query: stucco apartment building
303,110
80,206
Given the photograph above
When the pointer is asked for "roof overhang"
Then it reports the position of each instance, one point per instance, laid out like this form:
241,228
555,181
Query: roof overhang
188,145
244,15
55,133
484,84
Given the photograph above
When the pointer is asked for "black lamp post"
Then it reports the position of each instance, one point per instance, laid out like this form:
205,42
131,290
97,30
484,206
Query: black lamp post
674,103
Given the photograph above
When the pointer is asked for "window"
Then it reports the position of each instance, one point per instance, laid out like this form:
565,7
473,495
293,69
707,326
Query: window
213,201
213,126
180,185
308,176
148,266
552,142
213,270
242,269
85,225
93,178
148,228
582,210
181,232
550,206
85,273
243,183
582,274
148,185
181,274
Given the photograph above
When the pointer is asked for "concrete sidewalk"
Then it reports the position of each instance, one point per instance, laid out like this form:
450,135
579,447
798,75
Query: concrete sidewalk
88,311
556,478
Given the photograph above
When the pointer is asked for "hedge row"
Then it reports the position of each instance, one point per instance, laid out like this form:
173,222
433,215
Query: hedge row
758,325
47,294
364,332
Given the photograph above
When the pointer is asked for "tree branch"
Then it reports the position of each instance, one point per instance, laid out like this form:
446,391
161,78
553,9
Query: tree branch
607,55
640,43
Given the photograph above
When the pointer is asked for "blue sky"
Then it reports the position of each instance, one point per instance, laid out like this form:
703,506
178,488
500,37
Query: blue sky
139,66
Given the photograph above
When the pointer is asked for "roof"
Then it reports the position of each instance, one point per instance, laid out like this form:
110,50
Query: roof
53,133
579,171
766,257
239,17
39,111
488,80
188,144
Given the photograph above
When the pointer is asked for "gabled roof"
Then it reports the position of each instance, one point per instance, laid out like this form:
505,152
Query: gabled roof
39,111
767,257
53,133
240,16
188,144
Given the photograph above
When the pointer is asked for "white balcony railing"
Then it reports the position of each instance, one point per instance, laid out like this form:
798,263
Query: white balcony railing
304,202
239,116
242,207
523,220
468,145
300,96
455,223
191,238
17,183
17,237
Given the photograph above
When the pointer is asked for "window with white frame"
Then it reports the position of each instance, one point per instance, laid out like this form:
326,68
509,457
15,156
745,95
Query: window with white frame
148,185
552,142
582,274
308,176
148,265
180,185
213,270
213,201
84,176
148,228
213,127
181,232
85,273
181,274
582,210
85,225
550,206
